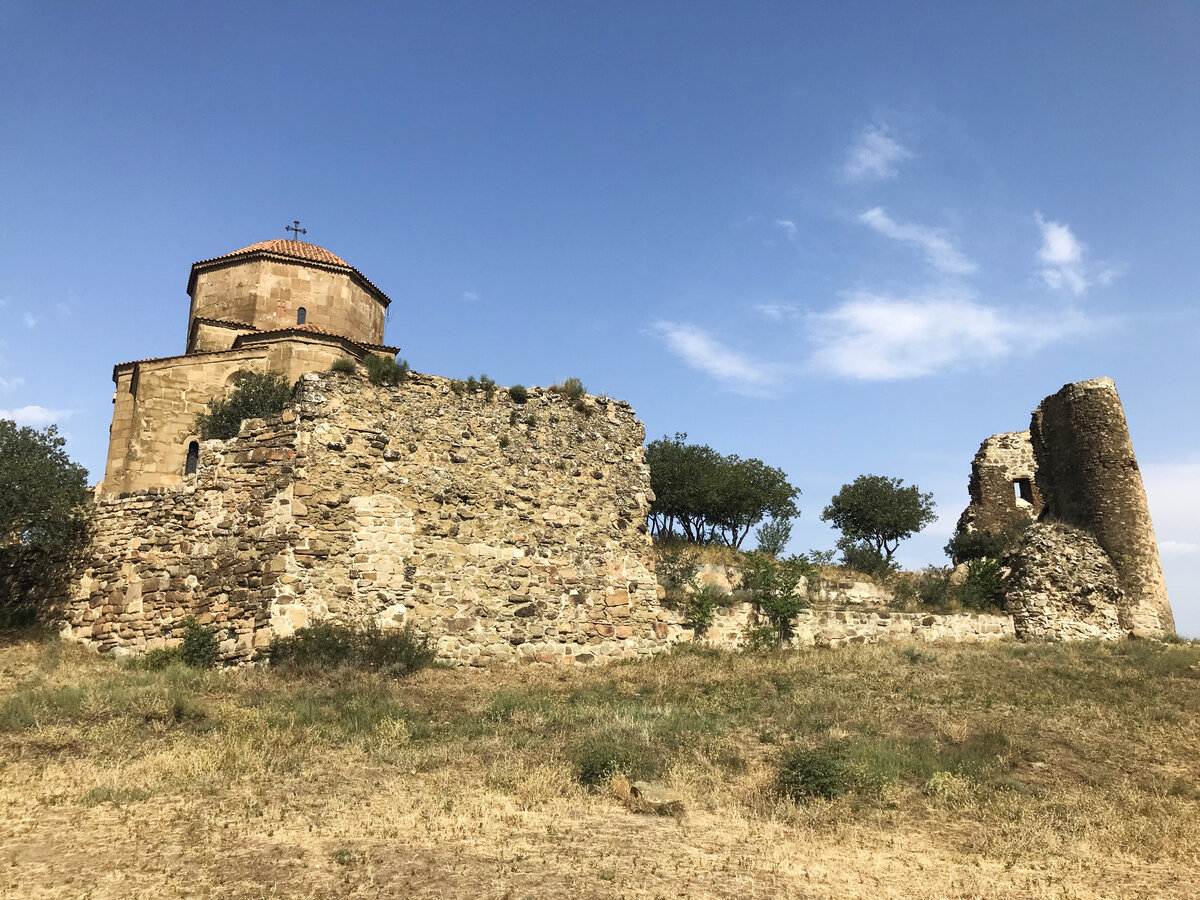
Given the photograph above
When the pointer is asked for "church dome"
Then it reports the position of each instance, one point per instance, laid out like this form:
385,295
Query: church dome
294,249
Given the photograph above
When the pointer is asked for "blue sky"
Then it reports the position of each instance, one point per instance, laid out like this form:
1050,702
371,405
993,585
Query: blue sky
842,238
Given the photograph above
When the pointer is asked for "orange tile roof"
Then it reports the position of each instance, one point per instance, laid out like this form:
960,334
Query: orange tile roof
297,249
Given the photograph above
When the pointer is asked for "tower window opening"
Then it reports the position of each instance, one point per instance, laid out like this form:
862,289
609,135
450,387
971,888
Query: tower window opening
1023,489
193,459
301,315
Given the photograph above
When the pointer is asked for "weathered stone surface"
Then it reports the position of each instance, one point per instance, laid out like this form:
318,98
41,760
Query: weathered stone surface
656,798
1063,586
1089,477
517,551
1003,484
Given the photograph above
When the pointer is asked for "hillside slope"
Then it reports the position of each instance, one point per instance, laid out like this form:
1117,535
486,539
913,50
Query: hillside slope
1002,771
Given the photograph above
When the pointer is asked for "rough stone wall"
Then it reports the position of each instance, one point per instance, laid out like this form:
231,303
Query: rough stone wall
827,593
268,293
157,401
1089,478
1063,587
1002,460
211,547
837,628
508,531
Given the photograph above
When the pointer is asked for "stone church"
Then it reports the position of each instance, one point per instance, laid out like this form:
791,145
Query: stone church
281,306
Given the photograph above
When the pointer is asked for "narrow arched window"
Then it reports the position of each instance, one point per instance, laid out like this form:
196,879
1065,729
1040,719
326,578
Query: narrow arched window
193,459
301,315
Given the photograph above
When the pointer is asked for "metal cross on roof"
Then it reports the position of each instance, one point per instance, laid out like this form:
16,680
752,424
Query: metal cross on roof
295,226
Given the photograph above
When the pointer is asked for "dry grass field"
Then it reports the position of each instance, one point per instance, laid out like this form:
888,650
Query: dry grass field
955,772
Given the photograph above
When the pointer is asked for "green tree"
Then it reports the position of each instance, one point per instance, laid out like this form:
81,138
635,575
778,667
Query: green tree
258,395
708,497
43,518
880,512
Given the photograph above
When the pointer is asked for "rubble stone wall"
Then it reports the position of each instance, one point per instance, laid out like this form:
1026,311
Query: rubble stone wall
1062,587
1089,477
508,531
837,628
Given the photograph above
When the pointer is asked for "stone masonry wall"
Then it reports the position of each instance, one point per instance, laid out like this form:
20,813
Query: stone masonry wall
508,531
1002,459
1089,477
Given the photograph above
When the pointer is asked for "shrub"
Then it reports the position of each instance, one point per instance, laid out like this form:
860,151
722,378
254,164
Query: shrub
325,646
344,365
774,585
257,396
803,774
200,646
604,755
983,587
980,543
518,393
385,370
700,607
866,558
571,388
929,589
162,658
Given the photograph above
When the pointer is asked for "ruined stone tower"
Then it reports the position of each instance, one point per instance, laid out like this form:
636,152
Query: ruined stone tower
1088,475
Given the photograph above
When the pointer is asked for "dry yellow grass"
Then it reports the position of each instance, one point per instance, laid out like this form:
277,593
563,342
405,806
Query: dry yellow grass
249,784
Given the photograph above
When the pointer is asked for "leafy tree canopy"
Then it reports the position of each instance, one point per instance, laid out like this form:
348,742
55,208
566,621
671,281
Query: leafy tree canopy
879,511
42,493
710,497
43,517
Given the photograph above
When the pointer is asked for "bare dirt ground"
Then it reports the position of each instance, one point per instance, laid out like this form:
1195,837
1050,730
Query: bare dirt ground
116,783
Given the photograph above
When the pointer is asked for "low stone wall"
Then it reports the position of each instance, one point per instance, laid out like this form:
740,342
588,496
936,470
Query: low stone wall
828,593
836,628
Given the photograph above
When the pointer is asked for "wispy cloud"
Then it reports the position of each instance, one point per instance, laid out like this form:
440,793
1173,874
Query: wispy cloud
788,227
1061,255
470,296
29,320
10,384
37,416
872,337
700,350
874,156
777,312
934,243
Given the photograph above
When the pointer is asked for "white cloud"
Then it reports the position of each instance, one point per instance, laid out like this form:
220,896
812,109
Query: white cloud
877,338
1178,548
702,351
37,416
10,384
1061,256
29,320
874,155
1173,492
789,228
939,250
470,296
777,312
